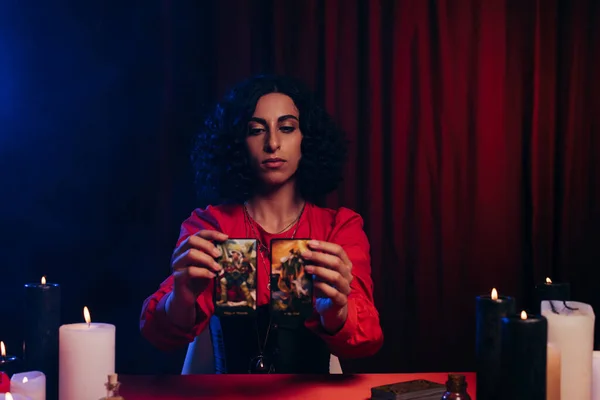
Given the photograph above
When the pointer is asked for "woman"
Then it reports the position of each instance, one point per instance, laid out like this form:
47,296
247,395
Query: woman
269,152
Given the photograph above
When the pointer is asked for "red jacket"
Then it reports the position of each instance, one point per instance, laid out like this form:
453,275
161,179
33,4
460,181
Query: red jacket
361,334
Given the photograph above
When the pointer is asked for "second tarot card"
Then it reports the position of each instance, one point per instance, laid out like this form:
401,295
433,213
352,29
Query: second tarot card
291,286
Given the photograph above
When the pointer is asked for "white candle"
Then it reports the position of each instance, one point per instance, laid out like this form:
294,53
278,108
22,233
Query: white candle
572,332
31,384
13,396
86,357
596,376
552,372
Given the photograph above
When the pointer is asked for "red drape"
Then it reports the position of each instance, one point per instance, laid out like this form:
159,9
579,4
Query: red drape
474,129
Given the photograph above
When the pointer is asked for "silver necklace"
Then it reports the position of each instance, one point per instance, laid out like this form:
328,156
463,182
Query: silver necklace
261,246
261,364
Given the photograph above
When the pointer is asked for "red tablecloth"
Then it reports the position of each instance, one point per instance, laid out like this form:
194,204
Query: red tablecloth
267,387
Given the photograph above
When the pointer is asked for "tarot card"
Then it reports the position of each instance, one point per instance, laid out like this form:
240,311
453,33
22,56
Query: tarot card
235,286
291,287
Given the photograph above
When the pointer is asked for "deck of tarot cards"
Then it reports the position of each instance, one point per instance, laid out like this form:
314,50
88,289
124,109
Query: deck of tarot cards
419,389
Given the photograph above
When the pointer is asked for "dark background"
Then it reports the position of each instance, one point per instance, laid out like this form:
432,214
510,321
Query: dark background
473,125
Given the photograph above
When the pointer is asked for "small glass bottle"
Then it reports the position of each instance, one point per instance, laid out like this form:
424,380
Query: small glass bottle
456,388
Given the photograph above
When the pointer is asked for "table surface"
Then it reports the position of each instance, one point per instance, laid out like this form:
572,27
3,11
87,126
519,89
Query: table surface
265,387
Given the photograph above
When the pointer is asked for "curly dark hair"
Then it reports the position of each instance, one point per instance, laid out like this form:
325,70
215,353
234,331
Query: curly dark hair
220,156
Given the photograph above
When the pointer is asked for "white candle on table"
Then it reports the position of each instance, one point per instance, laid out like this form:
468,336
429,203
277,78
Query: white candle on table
572,332
552,372
13,396
31,384
596,376
86,357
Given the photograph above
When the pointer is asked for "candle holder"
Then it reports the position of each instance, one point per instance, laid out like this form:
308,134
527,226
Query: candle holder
112,388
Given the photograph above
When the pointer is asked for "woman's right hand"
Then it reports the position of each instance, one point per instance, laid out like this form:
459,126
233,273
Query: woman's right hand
194,266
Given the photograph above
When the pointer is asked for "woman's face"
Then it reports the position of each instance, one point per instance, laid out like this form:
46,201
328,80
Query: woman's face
274,139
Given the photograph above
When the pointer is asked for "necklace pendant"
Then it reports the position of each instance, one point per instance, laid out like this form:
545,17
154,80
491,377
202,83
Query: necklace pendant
260,365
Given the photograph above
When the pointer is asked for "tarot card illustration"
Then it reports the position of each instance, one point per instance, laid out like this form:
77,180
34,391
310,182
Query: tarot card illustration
235,286
291,287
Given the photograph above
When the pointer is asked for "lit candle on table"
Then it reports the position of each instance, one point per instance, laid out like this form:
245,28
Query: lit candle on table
523,357
490,310
42,321
31,384
8,364
86,358
571,330
551,291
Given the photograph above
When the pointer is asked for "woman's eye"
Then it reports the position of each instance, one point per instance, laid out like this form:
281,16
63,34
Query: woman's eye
287,129
255,131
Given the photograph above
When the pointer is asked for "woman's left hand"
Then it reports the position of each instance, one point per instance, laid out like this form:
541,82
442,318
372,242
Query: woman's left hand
332,271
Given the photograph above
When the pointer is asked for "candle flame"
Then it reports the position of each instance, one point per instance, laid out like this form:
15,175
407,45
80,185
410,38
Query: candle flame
43,280
2,349
25,380
523,315
8,396
494,294
548,280
86,315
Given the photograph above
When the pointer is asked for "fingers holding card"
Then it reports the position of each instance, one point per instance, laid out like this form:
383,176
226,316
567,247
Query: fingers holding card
291,285
235,286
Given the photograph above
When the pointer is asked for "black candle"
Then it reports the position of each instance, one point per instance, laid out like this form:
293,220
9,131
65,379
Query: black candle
10,365
42,322
490,310
523,359
550,291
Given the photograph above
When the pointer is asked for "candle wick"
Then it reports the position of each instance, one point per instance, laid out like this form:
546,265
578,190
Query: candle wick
89,323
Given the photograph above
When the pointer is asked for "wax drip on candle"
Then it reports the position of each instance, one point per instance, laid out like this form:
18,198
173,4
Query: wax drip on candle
567,307
86,316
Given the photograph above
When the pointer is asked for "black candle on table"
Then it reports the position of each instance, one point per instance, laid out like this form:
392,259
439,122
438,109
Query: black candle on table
42,322
551,291
523,358
10,365
490,310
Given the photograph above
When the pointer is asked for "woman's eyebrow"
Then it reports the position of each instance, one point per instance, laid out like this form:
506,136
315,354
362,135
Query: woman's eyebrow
280,119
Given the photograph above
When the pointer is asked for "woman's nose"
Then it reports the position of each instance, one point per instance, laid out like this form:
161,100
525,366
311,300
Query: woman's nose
272,142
